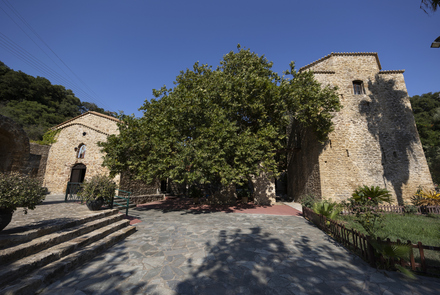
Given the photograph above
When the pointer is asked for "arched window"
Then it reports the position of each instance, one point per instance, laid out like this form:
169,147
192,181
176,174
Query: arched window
81,151
358,87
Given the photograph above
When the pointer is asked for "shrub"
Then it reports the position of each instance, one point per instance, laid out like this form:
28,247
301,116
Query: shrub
99,186
327,208
426,198
373,195
18,190
410,209
307,200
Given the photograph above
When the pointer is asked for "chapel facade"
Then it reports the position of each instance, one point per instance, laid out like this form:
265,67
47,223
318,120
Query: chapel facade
76,156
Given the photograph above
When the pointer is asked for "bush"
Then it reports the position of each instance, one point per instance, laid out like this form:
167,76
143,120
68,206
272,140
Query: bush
327,208
18,190
426,198
307,200
410,209
373,195
99,186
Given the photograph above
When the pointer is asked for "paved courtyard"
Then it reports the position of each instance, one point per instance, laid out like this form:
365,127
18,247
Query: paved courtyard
183,252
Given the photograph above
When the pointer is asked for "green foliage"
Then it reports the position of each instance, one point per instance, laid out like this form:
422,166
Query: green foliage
426,198
308,200
220,126
373,195
410,209
19,191
327,208
195,192
36,104
99,186
426,110
49,137
429,5
243,191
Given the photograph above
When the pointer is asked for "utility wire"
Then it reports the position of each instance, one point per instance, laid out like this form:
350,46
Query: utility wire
93,98
34,62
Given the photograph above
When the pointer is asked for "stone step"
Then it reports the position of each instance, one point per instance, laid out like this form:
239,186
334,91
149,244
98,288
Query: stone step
41,243
50,272
122,206
14,270
10,238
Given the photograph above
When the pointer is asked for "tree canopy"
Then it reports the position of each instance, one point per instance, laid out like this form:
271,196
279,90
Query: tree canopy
426,109
430,5
220,126
36,104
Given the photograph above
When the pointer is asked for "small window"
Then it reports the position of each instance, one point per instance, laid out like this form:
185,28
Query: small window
81,151
358,87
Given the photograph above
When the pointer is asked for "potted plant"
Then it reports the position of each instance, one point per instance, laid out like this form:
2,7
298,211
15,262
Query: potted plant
96,191
18,190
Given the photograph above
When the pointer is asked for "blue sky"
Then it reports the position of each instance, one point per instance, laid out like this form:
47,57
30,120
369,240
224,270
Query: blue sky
119,51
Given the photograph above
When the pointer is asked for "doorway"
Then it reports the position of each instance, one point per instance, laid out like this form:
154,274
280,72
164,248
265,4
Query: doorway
78,173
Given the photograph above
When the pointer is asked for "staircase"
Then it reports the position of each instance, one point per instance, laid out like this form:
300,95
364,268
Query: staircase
31,259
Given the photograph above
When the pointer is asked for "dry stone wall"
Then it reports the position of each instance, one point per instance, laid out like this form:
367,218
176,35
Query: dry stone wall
37,161
14,146
375,141
87,129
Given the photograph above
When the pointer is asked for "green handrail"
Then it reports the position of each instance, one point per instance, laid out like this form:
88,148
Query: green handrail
127,200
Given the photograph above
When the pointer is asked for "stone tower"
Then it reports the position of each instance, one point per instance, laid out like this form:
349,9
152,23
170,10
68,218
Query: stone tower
374,142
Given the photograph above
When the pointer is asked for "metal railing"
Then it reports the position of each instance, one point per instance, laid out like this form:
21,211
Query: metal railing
126,201
72,192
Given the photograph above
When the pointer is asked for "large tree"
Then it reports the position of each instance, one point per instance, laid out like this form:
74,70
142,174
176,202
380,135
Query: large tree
220,126
426,108
430,5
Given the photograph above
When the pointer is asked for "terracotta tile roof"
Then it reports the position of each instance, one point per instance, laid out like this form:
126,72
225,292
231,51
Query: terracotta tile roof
341,54
324,72
392,72
90,112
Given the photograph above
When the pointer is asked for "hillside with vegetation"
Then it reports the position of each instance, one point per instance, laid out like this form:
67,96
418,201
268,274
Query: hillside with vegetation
426,109
36,104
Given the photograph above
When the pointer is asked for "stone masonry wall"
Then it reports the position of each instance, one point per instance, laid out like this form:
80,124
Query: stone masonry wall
37,160
375,141
138,187
86,129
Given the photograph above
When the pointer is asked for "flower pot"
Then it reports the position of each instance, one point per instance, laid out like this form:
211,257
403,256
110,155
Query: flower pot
244,200
5,218
95,204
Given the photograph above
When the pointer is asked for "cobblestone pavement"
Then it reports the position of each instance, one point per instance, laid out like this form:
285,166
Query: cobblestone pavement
231,253
48,213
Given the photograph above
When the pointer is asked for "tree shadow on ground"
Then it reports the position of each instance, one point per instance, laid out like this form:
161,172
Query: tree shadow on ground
391,122
102,276
256,262
187,206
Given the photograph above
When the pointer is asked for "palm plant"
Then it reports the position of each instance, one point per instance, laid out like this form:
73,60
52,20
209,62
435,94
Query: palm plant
373,195
326,208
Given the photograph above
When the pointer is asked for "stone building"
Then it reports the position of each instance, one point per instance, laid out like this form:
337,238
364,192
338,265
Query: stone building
75,156
374,142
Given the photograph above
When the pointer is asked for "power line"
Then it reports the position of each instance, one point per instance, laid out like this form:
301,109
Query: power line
31,59
35,63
